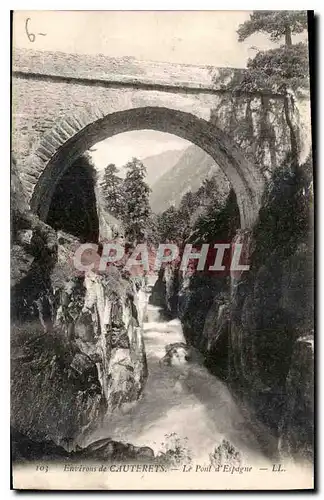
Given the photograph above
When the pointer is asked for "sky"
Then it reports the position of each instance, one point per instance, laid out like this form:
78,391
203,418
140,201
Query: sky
190,37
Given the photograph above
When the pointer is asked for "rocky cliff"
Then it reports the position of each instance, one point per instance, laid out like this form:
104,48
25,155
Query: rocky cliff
271,315
77,347
256,330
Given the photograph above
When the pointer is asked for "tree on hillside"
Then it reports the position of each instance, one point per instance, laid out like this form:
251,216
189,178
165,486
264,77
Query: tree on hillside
188,205
112,191
168,225
136,199
208,191
282,70
218,220
175,225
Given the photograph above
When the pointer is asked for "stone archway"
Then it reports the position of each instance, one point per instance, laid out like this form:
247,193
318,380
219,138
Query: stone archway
75,134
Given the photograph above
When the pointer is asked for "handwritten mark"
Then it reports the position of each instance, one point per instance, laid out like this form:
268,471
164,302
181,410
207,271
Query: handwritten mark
31,36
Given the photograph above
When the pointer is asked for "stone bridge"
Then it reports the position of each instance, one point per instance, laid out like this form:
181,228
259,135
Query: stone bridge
63,104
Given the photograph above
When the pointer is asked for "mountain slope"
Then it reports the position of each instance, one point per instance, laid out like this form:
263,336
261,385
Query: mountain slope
158,165
188,174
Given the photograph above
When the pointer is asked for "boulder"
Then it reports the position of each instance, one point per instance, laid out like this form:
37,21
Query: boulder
26,449
180,353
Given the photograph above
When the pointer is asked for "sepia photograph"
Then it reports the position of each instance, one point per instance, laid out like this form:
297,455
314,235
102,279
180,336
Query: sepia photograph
162,250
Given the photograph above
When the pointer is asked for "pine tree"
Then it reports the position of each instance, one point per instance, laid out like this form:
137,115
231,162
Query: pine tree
136,198
188,206
282,70
112,191
168,225
275,23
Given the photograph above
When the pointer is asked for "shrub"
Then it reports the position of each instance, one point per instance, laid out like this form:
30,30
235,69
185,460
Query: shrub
225,453
174,451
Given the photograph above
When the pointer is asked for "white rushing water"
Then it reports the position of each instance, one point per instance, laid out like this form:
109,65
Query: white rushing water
184,399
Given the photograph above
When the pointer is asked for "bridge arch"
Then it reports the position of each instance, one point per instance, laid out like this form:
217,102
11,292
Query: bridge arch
76,133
